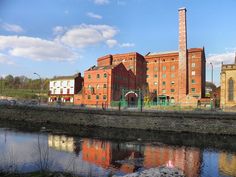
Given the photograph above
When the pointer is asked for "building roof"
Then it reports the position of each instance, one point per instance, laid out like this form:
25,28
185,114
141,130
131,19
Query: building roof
65,77
101,67
161,53
172,52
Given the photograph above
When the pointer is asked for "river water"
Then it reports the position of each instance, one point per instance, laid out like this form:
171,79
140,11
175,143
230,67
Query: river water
30,151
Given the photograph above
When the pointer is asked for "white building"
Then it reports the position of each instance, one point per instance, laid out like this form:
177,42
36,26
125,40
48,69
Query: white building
63,88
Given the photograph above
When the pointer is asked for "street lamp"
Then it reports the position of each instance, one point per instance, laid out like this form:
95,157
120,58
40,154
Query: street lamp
211,72
39,97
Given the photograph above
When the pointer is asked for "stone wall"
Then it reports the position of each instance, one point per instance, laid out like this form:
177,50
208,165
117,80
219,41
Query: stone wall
198,122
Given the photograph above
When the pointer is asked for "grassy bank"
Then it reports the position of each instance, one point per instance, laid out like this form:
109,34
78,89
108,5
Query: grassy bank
23,93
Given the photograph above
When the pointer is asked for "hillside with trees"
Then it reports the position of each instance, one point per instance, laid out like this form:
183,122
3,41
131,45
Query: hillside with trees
22,87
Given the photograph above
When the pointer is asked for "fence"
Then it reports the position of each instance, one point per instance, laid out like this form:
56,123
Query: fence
164,106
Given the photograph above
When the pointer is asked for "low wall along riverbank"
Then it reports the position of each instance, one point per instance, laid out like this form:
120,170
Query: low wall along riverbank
197,122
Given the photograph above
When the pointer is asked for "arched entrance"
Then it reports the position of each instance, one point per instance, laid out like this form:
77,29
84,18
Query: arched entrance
131,98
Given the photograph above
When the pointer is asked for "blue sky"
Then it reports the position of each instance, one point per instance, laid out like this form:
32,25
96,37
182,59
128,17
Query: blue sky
62,37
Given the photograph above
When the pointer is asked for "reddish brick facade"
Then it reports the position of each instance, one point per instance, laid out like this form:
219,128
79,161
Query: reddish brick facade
104,84
178,76
163,74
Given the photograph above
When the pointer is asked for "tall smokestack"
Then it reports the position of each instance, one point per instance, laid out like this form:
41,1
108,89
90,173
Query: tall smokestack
183,61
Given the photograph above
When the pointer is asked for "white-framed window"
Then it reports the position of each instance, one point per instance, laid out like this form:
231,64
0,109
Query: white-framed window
193,73
193,65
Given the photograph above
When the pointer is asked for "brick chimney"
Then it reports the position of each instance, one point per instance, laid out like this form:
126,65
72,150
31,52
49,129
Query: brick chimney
183,59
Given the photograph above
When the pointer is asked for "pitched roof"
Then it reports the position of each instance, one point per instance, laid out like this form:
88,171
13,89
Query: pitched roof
65,77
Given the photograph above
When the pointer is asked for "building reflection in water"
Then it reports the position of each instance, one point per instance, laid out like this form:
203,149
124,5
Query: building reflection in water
123,158
227,164
64,143
186,159
108,155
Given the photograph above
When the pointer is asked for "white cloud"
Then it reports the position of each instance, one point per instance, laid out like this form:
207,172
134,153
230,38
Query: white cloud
35,48
111,43
217,59
12,27
58,30
127,45
93,15
101,2
5,60
86,35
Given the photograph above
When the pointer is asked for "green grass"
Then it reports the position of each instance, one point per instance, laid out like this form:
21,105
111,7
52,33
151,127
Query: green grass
22,93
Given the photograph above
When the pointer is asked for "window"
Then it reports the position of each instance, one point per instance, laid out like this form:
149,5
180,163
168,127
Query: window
163,91
193,73
98,86
97,97
163,75
172,68
172,90
193,89
155,69
104,85
193,81
193,65
155,75
104,97
163,68
147,76
172,75
89,97
163,83
105,75
155,91
89,76
231,89
98,76
155,83
172,83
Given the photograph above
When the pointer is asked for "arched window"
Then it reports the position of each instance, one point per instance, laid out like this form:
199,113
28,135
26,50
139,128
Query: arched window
231,90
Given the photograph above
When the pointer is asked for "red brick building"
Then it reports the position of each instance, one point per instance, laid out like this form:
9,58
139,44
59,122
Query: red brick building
176,76
163,75
104,83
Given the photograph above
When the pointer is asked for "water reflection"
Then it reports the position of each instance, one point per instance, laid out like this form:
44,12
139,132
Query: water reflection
93,157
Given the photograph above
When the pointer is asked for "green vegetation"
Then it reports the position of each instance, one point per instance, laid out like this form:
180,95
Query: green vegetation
21,87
